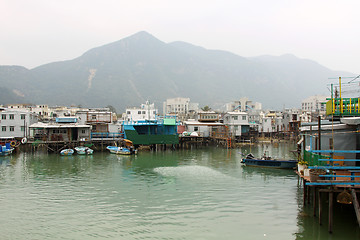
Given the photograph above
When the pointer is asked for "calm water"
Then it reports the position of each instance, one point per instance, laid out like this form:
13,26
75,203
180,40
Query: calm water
193,194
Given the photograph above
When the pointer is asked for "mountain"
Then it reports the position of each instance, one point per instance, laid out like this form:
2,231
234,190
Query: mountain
140,67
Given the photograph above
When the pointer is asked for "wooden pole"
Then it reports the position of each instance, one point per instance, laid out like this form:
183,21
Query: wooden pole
304,195
319,202
314,200
331,212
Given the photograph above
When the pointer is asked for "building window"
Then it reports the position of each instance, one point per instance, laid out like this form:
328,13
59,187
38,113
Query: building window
139,112
243,117
83,131
93,117
11,116
3,128
196,129
235,117
22,128
143,112
12,128
3,116
128,112
22,116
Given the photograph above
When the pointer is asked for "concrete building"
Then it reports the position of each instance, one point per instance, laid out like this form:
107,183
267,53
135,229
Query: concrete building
179,105
237,123
146,111
15,123
314,104
64,129
203,129
244,105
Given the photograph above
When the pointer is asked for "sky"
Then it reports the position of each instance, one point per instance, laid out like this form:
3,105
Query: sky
37,32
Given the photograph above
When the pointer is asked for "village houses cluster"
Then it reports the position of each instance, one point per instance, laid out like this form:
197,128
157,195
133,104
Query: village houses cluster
241,119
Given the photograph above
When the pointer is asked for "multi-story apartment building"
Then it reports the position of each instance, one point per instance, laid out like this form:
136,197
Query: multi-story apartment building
15,123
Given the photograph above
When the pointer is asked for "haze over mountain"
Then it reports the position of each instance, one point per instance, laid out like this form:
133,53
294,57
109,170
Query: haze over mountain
141,67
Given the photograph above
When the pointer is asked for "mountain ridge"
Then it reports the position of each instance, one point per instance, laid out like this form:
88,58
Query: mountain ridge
141,67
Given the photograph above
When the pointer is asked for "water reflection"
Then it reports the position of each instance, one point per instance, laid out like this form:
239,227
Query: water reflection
192,194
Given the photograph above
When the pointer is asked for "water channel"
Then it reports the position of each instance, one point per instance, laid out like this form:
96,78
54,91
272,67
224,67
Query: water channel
185,194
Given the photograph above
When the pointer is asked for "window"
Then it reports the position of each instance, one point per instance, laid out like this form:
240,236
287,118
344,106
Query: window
128,112
3,128
83,131
196,129
93,117
22,128
11,116
22,116
235,117
243,117
3,116
139,112
143,112
236,128
12,128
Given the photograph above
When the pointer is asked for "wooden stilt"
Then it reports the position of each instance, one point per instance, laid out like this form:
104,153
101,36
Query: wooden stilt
304,195
314,201
308,194
356,205
320,210
331,212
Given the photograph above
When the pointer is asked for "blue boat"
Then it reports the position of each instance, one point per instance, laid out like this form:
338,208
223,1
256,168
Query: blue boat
121,150
250,160
6,150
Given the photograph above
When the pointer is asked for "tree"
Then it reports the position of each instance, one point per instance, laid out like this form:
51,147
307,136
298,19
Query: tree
206,108
111,108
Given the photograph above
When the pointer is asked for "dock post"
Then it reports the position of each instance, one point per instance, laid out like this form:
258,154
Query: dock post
356,205
331,211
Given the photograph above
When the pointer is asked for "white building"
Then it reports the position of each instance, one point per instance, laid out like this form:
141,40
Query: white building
203,129
238,123
244,105
15,123
179,106
314,104
146,111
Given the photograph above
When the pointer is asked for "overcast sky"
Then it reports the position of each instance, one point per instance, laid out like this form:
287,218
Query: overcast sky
35,32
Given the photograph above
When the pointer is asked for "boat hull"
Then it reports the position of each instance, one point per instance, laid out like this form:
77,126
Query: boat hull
67,152
6,152
84,150
121,150
286,164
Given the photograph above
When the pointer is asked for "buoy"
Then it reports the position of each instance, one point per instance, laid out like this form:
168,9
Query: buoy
13,143
24,140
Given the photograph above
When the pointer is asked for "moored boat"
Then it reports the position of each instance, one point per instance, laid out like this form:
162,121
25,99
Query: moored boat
250,160
84,150
121,150
67,152
6,150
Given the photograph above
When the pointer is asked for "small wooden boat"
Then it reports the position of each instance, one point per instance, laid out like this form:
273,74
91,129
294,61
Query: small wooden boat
121,150
67,152
84,150
250,160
